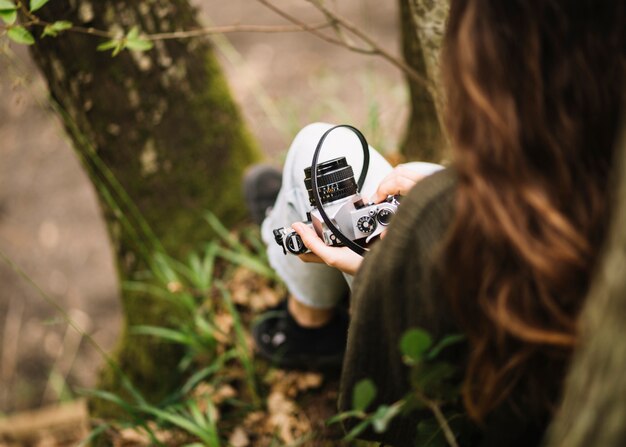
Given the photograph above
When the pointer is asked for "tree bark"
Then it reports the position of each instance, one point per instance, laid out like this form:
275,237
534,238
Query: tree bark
164,123
593,411
423,25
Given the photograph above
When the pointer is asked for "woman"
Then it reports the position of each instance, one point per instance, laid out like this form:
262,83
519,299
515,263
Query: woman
503,245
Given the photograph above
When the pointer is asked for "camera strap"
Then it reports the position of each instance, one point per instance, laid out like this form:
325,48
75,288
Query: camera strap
357,248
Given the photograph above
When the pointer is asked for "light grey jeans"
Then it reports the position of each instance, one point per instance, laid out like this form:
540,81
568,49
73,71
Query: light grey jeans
318,285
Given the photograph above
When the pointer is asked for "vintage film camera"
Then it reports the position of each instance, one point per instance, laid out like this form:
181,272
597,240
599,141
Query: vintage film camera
338,192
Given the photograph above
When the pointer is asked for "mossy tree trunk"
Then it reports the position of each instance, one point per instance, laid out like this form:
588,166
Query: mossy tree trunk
593,411
423,24
164,123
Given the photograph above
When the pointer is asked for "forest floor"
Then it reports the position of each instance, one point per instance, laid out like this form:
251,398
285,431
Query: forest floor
293,408
51,227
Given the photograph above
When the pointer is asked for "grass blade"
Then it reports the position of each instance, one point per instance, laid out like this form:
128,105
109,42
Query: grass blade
249,261
171,335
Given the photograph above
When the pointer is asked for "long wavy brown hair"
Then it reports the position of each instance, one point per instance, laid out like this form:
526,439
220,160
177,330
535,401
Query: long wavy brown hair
533,91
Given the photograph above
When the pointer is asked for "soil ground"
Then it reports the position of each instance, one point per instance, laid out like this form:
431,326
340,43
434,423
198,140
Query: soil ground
50,224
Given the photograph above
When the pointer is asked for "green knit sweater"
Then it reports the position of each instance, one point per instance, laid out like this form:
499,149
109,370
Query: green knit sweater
398,288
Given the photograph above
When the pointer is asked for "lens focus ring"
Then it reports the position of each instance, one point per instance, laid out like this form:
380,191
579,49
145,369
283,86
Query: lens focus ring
335,181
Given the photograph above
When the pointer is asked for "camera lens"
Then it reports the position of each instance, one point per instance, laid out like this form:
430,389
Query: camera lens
335,180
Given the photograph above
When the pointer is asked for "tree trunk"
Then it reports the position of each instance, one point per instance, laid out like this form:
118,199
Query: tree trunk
164,123
593,411
423,25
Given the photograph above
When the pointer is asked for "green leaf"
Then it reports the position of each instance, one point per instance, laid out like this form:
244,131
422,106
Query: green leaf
181,422
139,44
363,395
21,35
414,343
384,415
198,377
224,234
8,16
357,430
345,415
171,335
444,343
114,44
118,48
6,5
248,261
136,43
109,44
133,33
55,28
37,4
108,396
165,271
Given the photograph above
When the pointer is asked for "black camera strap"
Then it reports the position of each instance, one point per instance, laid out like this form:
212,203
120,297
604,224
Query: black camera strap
357,248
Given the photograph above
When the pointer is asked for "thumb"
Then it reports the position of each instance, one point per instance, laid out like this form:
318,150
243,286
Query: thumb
378,196
310,238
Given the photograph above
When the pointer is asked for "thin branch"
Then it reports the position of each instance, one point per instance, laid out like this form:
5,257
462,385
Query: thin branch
371,42
35,21
315,32
235,29
83,30
208,31
339,31
441,420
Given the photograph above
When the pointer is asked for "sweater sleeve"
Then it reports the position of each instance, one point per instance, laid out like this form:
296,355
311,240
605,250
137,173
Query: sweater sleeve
397,289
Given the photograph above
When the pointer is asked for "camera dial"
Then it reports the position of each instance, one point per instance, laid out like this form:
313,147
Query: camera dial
366,224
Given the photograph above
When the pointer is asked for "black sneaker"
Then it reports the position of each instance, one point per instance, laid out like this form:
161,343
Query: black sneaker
261,184
282,341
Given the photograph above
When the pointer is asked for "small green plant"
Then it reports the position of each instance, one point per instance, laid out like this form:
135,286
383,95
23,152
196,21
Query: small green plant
432,388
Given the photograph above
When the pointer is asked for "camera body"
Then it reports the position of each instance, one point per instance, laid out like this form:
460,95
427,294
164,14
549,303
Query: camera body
343,205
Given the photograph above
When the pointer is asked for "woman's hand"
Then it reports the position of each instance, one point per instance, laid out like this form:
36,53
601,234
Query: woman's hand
397,182
341,258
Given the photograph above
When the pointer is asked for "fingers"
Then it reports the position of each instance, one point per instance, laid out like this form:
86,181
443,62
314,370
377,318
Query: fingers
311,240
341,258
399,181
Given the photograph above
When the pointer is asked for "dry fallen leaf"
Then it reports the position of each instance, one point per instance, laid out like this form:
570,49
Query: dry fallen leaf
224,322
292,383
286,418
222,393
251,290
174,286
131,437
239,438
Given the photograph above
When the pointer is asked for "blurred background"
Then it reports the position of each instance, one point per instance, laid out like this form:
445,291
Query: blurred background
50,223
